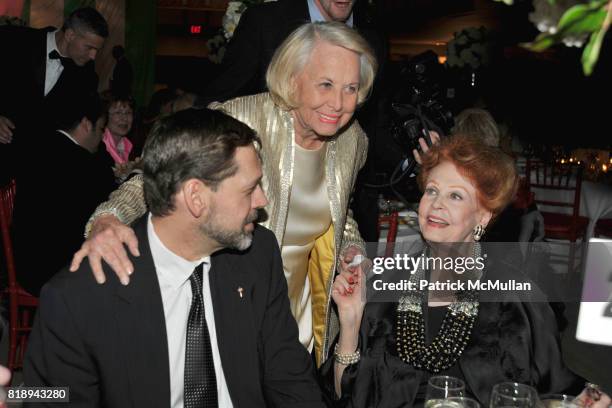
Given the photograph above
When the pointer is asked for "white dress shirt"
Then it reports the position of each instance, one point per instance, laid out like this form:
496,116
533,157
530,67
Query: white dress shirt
54,66
173,273
68,136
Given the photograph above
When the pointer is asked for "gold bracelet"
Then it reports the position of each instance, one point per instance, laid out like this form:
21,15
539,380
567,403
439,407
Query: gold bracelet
346,358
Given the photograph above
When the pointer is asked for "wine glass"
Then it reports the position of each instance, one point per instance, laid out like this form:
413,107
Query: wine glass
442,387
509,394
559,401
463,402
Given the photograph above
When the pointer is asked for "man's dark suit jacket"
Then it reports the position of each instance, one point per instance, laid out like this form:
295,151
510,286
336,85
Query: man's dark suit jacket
22,89
108,342
261,30
66,182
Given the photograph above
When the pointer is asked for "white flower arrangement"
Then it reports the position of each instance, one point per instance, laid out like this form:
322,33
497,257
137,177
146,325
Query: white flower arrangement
216,45
232,17
546,17
469,47
575,23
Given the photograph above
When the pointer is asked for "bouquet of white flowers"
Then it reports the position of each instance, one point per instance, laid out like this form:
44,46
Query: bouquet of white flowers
575,23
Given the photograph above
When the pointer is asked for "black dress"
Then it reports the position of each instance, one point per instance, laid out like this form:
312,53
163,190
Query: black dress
515,339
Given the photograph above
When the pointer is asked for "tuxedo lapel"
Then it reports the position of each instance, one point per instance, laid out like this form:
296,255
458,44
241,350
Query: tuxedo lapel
234,323
39,62
142,328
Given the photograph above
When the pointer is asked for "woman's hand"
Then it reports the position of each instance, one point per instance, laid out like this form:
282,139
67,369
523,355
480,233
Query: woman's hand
593,398
435,139
348,290
106,240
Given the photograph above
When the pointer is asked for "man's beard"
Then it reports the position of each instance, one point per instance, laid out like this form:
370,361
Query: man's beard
235,239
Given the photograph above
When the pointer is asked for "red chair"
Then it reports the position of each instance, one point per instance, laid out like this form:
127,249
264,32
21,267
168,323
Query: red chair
393,221
22,305
561,178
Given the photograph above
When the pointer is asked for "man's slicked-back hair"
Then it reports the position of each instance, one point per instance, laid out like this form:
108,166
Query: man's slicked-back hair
86,20
191,144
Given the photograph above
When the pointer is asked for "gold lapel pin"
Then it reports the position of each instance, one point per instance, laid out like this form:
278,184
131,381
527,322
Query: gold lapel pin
240,291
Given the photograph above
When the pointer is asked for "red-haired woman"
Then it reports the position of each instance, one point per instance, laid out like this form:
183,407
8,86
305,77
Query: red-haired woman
386,351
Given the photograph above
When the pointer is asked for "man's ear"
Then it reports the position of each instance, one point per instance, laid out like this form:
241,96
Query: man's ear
86,125
69,34
197,197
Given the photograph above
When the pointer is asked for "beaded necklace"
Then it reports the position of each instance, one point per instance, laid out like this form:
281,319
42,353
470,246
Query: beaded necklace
453,336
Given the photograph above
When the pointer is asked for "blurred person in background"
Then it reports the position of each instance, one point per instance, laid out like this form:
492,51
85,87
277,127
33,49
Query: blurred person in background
71,163
120,111
40,70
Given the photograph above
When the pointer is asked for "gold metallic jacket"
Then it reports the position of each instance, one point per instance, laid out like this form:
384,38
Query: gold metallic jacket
346,154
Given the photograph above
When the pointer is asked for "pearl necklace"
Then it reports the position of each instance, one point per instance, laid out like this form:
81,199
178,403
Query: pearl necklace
453,336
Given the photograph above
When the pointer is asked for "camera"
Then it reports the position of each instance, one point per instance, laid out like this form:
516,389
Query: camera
421,104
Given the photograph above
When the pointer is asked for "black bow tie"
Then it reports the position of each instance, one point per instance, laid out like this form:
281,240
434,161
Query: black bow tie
56,55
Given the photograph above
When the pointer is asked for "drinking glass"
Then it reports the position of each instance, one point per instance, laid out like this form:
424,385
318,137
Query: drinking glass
509,394
442,387
559,401
464,402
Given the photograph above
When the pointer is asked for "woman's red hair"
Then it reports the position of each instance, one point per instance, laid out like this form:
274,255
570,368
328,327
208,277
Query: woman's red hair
491,171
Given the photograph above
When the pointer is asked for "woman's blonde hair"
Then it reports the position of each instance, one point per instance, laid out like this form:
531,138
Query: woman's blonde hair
477,123
293,54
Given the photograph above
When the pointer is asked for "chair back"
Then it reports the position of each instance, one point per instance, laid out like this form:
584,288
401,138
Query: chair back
21,303
7,202
565,179
393,221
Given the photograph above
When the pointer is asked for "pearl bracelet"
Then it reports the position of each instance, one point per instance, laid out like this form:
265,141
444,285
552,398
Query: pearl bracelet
346,358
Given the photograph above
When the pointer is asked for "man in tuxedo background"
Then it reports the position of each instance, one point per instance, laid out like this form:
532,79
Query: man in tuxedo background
40,70
68,163
262,28
205,320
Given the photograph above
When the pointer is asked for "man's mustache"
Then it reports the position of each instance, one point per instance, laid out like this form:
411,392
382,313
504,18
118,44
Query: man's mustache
251,218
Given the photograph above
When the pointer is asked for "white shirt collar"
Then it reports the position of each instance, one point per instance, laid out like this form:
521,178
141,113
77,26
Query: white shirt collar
51,44
316,16
165,260
68,136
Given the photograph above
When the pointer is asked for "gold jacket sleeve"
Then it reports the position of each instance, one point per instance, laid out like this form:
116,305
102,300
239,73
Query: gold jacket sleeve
127,203
351,235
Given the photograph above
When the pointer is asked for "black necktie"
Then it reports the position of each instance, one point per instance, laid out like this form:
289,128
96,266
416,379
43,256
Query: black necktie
200,381
56,55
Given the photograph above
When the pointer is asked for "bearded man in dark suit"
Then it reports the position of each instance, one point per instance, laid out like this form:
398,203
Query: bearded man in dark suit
42,68
205,321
